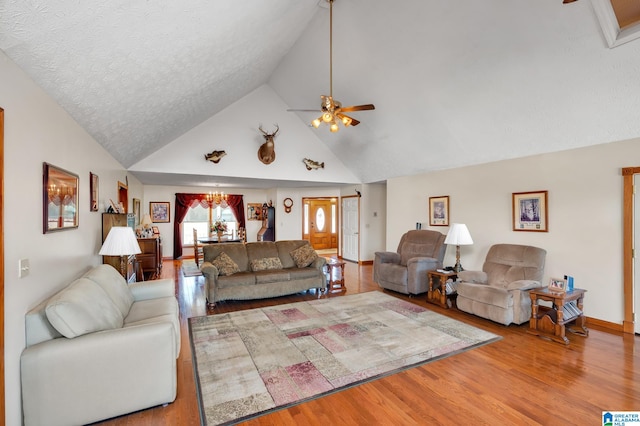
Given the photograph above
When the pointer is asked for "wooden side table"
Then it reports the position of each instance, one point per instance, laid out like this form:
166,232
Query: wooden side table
551,321
335,269
437,293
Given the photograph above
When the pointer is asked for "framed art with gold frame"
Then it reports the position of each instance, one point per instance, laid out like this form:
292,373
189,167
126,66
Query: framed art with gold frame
159,211
439,211
59,199
254,211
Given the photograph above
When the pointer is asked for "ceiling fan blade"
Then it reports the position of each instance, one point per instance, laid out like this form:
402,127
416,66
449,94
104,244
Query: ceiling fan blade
358,108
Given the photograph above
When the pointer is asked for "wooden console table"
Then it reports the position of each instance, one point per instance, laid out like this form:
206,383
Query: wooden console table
437,293
551,321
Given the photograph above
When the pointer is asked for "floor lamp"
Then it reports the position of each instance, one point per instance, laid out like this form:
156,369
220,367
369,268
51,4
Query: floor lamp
458,235
121,241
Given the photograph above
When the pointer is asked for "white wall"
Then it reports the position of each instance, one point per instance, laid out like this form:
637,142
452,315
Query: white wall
37,130
585,214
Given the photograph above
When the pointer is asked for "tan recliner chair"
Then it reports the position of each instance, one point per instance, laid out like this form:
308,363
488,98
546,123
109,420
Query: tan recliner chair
500,292
419,251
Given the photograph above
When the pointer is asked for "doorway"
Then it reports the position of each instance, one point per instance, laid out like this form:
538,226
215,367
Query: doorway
351,228
320,223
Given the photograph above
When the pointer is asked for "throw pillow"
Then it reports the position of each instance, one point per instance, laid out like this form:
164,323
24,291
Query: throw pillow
304,256
225,265
266,263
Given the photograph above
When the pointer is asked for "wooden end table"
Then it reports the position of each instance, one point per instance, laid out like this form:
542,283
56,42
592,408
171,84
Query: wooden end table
551,321
437,293
334,268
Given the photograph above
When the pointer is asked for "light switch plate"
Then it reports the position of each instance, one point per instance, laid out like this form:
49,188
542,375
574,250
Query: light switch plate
23,268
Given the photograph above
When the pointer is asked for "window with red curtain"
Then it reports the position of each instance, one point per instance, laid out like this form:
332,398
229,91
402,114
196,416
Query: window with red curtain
185,201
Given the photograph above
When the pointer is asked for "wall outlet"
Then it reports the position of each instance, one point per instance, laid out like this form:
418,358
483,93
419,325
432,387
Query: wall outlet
23,268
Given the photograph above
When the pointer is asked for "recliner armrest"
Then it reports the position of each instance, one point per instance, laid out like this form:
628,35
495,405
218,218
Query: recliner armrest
524,285
477,277
424,260
153,289
387,257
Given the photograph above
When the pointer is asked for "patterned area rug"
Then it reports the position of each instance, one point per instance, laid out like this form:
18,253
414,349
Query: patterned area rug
251,362
189,269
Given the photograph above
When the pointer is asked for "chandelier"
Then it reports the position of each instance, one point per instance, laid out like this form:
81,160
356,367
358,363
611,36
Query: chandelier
218,199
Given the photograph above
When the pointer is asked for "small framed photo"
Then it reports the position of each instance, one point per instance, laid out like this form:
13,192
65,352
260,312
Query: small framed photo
558,285
254,211
159,211
439,211
155,229
529,210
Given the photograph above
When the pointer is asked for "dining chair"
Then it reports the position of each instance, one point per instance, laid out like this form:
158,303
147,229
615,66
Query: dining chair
197,248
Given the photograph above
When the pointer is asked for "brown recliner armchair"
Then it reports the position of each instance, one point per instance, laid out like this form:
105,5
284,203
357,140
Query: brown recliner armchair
419,251
500,292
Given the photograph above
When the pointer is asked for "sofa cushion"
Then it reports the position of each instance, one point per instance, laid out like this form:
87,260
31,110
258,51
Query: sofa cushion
225,265
236,251
237,280
302,273
271,276
114,284
83,307
266,263
303,256
285,247
261,249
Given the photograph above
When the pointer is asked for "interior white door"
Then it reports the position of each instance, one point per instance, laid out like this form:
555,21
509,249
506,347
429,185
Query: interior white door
350,228
636,241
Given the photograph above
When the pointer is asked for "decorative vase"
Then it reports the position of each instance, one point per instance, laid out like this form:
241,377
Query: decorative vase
219,235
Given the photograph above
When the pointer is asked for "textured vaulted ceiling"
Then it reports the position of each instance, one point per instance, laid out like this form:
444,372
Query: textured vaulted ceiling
454,82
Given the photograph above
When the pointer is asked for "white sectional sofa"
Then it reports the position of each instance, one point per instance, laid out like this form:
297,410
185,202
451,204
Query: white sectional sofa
100,348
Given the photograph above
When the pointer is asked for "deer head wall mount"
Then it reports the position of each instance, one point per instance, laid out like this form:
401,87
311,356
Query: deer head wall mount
267,151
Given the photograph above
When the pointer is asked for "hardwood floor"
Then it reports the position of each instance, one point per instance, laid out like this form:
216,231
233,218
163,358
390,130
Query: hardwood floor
522,379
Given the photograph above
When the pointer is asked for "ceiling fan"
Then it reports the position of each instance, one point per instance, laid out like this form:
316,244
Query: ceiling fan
332,110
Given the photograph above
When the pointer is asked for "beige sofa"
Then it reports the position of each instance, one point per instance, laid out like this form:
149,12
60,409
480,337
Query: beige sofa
100,348
256,270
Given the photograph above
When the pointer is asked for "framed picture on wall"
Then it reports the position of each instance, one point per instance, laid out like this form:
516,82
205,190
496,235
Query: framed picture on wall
529,210
254,211
439,211
159,211
136,210
93,192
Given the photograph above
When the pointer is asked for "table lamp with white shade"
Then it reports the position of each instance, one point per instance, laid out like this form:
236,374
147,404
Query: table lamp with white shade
121,241
458,235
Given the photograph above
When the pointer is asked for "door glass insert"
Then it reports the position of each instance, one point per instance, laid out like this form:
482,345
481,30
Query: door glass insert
320,219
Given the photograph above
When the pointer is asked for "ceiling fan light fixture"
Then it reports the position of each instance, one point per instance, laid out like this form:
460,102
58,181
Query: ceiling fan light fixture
346,120
334,127
316,123
327,117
